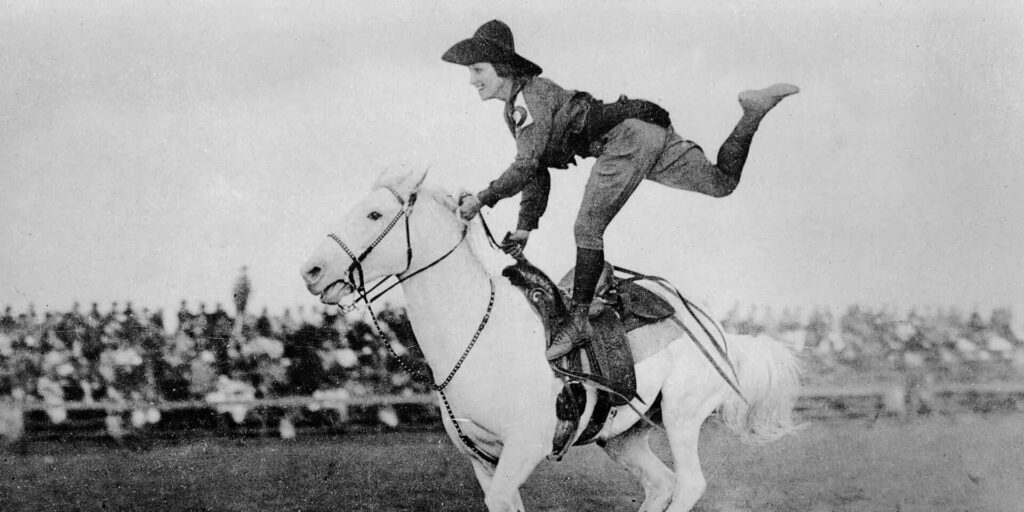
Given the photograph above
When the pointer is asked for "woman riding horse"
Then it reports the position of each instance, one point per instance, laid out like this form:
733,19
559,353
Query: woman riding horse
632,140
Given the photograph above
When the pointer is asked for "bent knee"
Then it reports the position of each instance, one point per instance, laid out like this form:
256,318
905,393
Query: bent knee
723,188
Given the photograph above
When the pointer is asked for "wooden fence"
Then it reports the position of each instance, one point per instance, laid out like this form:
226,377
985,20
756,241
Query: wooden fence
853,400
27,421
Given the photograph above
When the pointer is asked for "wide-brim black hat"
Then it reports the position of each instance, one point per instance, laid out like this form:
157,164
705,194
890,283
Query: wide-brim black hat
492,42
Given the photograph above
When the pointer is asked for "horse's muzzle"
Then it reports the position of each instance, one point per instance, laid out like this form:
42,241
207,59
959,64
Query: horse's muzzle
336,291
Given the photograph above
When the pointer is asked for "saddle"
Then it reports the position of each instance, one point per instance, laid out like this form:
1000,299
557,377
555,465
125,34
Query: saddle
606,361
635,305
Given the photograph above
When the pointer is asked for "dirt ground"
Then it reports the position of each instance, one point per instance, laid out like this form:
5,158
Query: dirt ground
946,463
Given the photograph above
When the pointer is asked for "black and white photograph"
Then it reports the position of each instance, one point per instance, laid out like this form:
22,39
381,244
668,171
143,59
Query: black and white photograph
660,256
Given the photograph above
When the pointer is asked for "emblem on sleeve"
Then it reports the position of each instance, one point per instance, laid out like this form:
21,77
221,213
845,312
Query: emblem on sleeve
521,117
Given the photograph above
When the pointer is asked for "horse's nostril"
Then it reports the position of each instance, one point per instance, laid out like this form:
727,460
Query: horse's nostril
312,274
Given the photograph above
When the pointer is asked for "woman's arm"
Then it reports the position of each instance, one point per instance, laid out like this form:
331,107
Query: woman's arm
532,134
534,200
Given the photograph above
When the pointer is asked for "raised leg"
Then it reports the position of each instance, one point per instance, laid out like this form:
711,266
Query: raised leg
759,101
632,449
683,164
732,154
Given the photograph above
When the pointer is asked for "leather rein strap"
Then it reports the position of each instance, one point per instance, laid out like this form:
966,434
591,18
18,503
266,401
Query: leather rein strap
721,348
355,268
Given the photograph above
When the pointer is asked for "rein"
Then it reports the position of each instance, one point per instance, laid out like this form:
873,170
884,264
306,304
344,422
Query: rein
401,277
356,265
363,294
722,349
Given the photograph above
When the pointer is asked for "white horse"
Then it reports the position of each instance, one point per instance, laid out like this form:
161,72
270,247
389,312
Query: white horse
502,392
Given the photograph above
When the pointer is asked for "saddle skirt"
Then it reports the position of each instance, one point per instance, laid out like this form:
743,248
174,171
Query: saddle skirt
607,362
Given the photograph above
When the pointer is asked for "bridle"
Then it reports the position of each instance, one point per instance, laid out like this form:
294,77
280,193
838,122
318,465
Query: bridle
356,269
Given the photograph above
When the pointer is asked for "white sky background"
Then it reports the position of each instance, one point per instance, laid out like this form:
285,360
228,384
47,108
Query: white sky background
146,152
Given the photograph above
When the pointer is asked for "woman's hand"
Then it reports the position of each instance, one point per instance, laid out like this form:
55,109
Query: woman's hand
469,206
515,242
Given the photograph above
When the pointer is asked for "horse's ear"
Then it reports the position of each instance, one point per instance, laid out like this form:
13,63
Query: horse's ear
401,180
415,179
392,177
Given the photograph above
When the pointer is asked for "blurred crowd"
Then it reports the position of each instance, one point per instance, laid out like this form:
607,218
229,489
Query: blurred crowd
865,345
127,355
123,354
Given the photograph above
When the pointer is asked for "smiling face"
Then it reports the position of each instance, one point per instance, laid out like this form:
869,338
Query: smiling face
488,84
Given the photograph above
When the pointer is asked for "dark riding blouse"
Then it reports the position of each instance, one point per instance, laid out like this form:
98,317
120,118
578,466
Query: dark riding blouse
547,122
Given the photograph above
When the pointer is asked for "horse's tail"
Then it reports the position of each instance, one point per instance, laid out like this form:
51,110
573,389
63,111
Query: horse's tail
769,377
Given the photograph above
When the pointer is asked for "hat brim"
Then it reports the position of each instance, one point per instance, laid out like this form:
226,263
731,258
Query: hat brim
474,50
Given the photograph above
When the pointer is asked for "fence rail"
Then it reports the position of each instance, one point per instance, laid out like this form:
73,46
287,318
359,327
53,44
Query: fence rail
809,395
284,402
109,419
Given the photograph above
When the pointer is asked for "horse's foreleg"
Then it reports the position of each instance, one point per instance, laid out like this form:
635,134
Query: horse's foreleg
484,474
632,449
518,459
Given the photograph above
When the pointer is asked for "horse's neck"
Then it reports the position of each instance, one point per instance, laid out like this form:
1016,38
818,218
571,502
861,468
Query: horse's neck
446,304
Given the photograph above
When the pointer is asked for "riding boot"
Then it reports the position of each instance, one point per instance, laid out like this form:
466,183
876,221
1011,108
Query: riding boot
732,155
577,329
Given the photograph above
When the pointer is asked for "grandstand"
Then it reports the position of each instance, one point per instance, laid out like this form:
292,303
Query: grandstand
122,370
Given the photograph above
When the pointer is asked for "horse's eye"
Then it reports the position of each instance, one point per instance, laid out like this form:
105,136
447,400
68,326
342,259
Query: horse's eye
374,216
537,295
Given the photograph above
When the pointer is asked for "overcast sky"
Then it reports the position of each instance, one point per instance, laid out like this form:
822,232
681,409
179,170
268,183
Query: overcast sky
149,150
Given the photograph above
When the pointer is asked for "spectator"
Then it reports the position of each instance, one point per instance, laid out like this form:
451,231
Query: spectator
127,355
241,292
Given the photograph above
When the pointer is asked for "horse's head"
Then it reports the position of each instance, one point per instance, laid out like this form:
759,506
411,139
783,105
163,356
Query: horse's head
371,240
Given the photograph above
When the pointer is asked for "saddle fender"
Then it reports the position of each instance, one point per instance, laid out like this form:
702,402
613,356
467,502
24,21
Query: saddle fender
606,362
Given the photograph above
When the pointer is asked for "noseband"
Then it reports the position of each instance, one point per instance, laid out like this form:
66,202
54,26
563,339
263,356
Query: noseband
355,269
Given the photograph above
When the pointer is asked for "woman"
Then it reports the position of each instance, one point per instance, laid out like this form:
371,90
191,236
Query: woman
632,140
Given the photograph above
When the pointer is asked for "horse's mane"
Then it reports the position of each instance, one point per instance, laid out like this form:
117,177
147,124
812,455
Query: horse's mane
495,262
492,259
398,178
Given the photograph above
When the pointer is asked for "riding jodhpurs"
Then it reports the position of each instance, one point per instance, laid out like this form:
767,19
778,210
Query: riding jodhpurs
635,150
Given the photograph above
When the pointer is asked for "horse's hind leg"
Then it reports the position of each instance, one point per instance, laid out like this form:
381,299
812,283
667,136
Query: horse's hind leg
632,449
683,417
